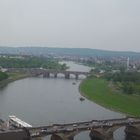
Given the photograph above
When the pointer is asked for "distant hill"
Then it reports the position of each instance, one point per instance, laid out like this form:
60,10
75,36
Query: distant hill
67,51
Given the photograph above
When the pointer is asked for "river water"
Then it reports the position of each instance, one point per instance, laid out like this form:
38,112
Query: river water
44,101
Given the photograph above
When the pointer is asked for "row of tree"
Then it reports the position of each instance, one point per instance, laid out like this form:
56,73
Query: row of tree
129,82
32,62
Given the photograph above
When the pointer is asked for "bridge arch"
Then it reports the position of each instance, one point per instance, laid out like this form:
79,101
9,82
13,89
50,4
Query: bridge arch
82,76
82,134
120,130
100,129
73,76
60,75
104,133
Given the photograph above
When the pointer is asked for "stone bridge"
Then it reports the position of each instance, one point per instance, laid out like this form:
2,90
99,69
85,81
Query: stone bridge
47,72
99,129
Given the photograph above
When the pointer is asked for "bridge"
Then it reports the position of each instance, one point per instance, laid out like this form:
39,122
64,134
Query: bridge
99,129
47,72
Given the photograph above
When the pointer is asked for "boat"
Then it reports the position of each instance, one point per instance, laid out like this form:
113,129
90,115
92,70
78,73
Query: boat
81,99
74,83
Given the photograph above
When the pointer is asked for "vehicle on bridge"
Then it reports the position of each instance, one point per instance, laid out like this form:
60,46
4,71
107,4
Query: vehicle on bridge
104,128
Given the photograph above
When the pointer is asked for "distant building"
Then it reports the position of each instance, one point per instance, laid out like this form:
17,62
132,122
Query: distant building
128,63
2,69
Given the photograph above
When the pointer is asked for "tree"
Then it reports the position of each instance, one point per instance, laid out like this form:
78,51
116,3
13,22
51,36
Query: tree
3,76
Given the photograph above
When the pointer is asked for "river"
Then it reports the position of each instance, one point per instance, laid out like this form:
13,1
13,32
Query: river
44,101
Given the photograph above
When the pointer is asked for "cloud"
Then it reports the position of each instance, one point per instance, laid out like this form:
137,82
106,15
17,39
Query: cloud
101,24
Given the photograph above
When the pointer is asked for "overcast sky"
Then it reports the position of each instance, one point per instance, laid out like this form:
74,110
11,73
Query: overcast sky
100,24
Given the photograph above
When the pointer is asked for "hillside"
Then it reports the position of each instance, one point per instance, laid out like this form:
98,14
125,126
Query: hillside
67,51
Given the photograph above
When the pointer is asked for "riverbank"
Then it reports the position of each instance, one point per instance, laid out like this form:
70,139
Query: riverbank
13,77
99,91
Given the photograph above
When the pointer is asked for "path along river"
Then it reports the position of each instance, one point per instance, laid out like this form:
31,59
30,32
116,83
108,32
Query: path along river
44,101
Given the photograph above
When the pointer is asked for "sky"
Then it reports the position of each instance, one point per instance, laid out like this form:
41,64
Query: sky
97,24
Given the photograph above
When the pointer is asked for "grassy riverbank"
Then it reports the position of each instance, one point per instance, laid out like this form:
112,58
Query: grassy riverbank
99,91
13,77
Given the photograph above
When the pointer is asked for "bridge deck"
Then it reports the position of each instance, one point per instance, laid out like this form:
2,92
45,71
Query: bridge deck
44,70
82,126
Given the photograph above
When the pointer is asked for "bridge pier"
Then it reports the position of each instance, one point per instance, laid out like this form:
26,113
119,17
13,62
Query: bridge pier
105,133
76,76
15,135
64,136
55,75
133,130
46,75
57,137
100,136
67,76
37,138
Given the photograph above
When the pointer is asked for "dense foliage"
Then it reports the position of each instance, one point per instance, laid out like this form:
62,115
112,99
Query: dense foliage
30,62
3,76
129,82
105,65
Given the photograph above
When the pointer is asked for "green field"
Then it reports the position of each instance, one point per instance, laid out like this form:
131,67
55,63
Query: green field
99,91
13,77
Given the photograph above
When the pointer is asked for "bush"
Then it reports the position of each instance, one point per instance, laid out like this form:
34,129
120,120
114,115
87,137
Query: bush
3,76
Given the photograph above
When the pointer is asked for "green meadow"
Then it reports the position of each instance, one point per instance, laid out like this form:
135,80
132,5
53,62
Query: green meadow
99,91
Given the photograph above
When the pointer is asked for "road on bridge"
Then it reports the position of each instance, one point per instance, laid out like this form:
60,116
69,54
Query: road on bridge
81,126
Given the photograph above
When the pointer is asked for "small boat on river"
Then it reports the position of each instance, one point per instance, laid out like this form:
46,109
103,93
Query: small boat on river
74,83
81,99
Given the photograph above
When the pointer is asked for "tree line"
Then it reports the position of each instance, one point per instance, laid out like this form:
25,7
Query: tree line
129,82
3,76
31,62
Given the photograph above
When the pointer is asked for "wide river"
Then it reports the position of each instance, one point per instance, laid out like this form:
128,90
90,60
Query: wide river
44,101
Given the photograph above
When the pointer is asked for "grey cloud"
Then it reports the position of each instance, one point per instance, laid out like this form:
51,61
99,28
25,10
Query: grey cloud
101,24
